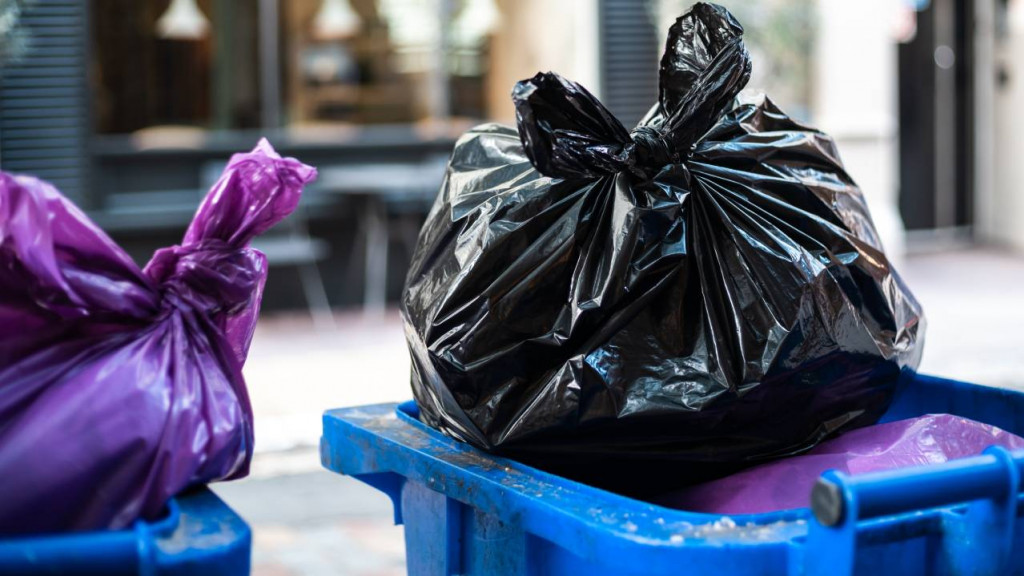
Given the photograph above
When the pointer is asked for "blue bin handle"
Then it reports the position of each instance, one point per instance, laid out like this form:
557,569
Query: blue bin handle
990,482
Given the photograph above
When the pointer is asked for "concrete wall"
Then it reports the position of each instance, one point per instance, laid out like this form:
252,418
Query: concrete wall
1002,208
854,80
855,101
541,36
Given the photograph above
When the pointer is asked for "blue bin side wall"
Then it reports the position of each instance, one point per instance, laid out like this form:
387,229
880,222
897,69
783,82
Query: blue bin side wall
910,557
444,537
463,516
427,518
101,553
210,538
202,536
491,545
919,394
933,551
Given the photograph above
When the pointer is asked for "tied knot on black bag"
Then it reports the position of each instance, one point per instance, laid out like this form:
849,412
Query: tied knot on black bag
567,133
651,148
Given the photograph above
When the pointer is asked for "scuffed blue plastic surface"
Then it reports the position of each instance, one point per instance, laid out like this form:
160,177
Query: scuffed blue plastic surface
467,512
199,534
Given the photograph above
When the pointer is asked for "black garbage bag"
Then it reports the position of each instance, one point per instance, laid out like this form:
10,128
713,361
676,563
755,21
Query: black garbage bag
702,293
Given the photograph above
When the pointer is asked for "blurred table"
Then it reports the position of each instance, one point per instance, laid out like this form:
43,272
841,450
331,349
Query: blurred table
376,187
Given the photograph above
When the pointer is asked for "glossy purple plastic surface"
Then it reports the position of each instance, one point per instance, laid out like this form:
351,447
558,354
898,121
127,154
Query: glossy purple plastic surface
121,386
786,484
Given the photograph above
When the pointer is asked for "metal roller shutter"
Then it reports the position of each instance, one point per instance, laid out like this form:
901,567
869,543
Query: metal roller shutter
44,113
630,50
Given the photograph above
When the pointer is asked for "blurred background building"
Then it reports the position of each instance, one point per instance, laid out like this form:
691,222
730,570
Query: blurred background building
132,107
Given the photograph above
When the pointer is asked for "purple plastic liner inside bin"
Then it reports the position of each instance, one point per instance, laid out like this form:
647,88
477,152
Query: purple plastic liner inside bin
785,484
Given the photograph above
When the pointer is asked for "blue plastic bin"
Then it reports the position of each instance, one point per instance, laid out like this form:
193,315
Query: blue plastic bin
200,535
469,513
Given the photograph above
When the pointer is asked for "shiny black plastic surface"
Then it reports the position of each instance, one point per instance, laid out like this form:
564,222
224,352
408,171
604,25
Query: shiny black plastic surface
708,290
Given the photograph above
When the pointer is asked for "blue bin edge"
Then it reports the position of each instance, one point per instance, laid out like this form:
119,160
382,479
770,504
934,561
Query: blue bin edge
199,534
387,447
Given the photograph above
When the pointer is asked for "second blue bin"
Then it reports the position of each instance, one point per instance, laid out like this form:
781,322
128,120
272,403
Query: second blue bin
470,513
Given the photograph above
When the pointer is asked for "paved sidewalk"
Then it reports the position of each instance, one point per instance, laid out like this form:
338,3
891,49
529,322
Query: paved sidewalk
294,373
974,302
317,523
307,521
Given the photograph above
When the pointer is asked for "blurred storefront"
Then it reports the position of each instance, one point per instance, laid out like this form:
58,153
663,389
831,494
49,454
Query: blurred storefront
999,107
131,107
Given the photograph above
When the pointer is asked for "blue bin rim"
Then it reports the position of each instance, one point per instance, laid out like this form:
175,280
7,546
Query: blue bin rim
164,524
195,529
386,445
395,447
409,412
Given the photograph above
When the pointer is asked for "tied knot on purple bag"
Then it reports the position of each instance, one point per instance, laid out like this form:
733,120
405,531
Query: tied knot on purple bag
214,270
211,276
567,133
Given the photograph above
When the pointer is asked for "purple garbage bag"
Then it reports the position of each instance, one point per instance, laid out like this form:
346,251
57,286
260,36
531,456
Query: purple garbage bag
786,484
119,387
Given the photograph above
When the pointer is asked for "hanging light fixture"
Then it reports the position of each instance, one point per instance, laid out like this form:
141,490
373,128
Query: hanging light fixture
336,20
182,21
478,18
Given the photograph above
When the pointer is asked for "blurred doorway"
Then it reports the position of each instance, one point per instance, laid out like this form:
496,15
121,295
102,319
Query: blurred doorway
936,119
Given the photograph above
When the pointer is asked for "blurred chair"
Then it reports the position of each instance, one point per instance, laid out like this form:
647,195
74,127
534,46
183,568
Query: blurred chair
290,244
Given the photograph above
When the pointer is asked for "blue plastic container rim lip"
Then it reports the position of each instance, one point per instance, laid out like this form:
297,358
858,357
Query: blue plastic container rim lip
165,524
387,447
195,533
409,412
